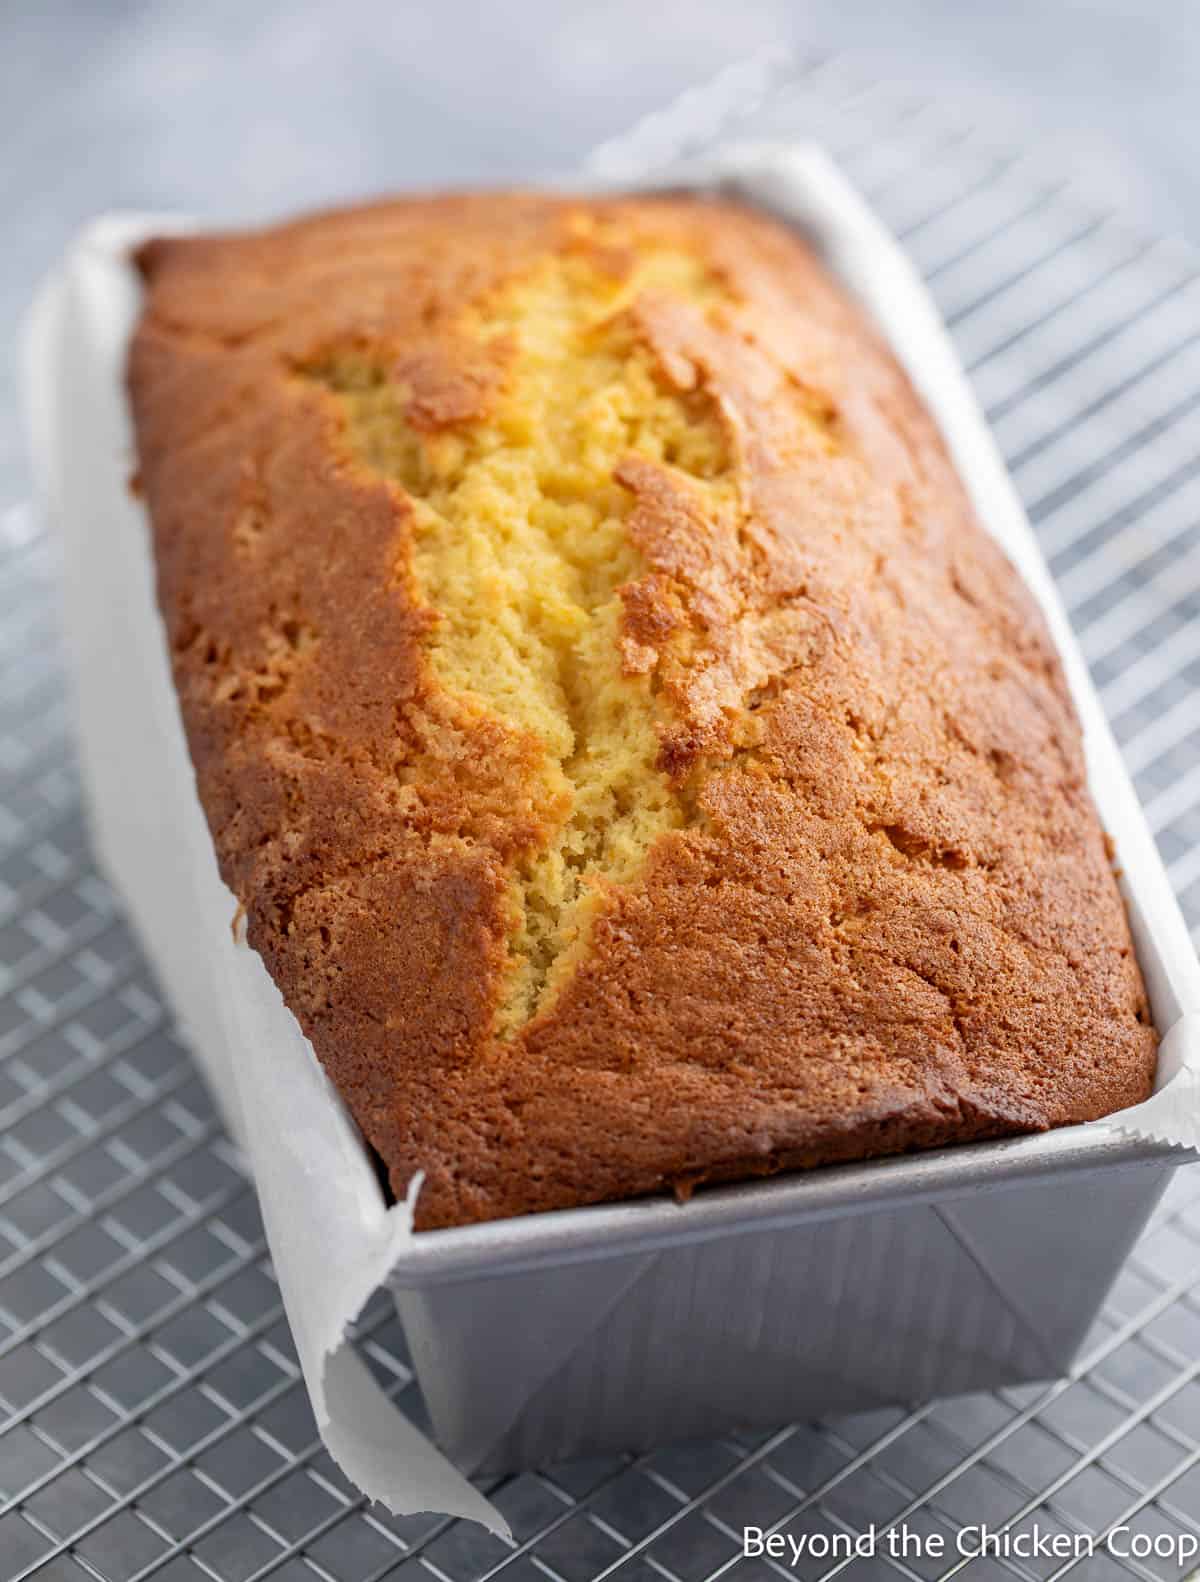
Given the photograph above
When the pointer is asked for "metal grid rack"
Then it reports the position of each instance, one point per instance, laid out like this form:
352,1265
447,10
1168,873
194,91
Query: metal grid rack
154,1421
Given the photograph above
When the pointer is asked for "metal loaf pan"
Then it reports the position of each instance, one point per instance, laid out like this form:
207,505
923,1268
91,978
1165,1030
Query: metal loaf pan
851,1287
837,1290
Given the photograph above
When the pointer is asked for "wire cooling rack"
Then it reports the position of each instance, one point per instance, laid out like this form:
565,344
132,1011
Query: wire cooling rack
154,1421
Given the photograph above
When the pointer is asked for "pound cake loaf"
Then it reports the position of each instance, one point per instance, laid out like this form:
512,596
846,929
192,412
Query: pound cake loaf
636,765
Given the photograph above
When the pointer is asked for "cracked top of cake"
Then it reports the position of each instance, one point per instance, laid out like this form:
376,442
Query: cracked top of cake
636,765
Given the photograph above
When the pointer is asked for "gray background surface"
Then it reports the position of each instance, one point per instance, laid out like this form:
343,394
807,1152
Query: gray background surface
243,109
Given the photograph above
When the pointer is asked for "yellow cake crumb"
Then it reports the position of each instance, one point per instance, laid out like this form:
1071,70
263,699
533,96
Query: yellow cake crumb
521,549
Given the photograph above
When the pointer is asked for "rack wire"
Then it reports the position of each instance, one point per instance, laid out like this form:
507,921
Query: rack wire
153,1421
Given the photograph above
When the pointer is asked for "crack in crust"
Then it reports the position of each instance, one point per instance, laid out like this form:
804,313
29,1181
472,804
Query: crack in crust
509,456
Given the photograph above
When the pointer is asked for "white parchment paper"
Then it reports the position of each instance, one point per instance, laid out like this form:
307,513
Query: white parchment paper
332,1237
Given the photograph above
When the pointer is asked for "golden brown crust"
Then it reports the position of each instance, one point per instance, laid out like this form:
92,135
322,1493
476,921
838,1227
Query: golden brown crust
890,921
